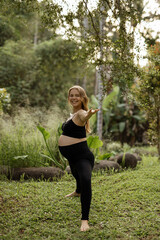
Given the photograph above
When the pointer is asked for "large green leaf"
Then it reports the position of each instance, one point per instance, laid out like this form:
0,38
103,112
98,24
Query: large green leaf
137,117
105,156
121,105
94,101
122,126
53,160
46,134
21,157
112,97
93,120
114,128
59,130
94,142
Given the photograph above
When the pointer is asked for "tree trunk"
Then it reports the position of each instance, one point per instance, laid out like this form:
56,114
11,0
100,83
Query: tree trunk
100,99
100,75
36,33
84,34
84,82
158,131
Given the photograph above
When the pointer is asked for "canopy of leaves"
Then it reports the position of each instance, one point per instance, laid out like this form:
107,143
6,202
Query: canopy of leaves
110,45
147,92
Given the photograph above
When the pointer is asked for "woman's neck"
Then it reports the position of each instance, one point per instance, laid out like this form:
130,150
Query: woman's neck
76,110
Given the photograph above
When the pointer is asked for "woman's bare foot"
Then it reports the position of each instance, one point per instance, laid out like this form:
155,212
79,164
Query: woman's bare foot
73,194
84,226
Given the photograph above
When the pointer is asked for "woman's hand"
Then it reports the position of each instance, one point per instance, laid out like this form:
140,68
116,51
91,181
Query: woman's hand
85,115
91,112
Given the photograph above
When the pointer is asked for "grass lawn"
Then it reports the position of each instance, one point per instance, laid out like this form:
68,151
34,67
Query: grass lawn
125,205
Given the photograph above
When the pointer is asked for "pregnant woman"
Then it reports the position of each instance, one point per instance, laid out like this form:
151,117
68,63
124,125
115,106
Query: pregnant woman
73,146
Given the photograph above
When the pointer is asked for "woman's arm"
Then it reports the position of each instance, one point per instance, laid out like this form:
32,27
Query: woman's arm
85,115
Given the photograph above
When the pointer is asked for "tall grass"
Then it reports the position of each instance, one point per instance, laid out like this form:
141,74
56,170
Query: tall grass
20,140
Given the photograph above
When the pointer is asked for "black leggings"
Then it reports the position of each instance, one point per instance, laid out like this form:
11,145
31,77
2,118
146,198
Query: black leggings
81,161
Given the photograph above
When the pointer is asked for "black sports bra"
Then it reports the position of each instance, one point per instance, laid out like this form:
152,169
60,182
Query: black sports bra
70,129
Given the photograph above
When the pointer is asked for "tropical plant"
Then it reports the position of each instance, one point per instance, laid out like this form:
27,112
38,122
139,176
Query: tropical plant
95,144
58,161
21,141
122,120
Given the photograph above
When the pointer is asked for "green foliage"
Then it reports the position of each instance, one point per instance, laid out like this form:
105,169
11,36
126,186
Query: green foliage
95,144
147,93
16,64
122,119
126,122
28,20
56,70
4,100
105,156
39,76
15,21
114,42
111,98
21,141
108,102
34,71
6,31
46,136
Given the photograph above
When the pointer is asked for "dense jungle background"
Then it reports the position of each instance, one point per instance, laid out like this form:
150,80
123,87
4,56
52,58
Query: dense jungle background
112,49
39,63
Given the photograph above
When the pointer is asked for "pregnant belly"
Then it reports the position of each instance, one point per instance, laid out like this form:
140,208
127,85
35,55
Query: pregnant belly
65,140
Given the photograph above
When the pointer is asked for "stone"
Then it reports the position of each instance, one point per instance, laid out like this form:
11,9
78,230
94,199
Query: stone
4,170
106,164
49,173
130,160
139,159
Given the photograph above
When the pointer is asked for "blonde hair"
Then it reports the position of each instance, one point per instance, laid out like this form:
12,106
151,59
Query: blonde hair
84,100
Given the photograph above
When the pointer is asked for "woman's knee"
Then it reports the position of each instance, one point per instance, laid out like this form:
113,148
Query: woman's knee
85,180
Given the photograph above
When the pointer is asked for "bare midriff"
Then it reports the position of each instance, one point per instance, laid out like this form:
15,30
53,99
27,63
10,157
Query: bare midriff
65,140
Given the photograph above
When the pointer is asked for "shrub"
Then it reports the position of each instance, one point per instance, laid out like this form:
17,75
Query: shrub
21,142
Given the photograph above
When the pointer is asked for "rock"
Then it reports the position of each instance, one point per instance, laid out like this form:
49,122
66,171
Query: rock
139,159
106,164
135,154
113,159
130,160
4,170
37,173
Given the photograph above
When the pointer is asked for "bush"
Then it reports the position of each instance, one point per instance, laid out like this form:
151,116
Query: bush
21,142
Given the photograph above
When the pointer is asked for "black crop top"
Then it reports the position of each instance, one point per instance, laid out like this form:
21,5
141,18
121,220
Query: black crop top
70,129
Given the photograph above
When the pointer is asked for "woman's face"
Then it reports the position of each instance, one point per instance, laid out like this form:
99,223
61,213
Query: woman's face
75,99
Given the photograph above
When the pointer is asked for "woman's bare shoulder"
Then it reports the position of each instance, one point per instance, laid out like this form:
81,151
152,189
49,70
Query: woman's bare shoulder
82,115
81,112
